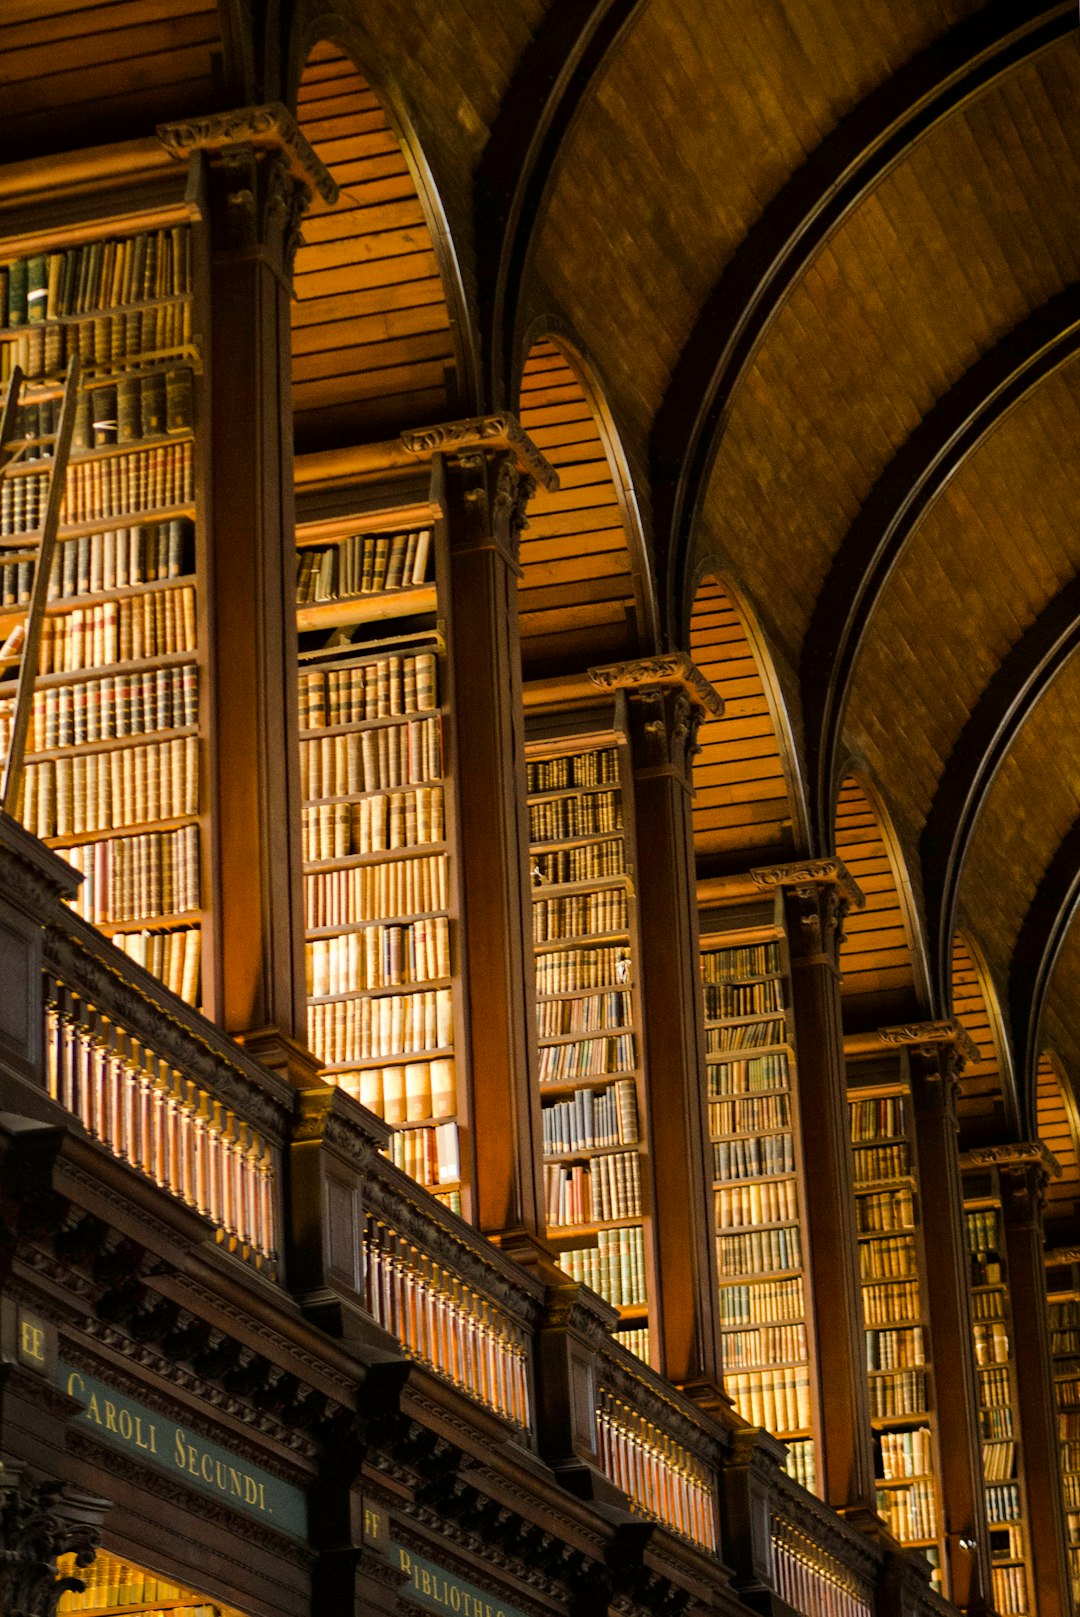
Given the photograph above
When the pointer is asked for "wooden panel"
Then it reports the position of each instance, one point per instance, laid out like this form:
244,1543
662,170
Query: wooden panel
877,980
742,811
372,343
577,571
982,1100
1054,1122
74,75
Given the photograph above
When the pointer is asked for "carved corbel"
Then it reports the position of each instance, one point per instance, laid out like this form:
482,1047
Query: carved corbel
40,1521
938,1052
499,469
819,892
669,699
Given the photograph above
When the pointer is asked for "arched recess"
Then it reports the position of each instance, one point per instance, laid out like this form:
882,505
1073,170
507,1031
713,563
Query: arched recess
748,802
883,976
586,595
377,322
1058,1126
987,1103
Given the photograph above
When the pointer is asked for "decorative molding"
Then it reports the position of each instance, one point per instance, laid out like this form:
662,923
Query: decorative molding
1018,1154
270,127
501,431
671,668
329,1115
40,1520
946,1031
1061,1254
804,872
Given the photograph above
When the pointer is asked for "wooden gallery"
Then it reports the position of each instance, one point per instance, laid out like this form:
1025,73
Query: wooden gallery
540,833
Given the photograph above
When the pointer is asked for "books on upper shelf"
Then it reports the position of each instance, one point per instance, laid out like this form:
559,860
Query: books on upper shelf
114,769
583,926
378,882
756,1189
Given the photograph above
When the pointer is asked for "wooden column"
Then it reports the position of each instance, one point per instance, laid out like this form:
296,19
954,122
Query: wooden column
259,176
817,895
1023,1178
937,1052
490,471
666,700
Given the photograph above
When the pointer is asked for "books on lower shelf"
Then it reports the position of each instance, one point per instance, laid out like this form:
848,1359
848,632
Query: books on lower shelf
378,891
589,1061
756,1193
1064,1324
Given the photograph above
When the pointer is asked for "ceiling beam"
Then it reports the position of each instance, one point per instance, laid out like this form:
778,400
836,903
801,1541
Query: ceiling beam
1038,946
953,430
829,186
561,63
1017,686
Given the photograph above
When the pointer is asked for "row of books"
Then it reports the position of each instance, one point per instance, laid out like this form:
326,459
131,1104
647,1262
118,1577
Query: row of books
96,562
174,1134
587,1058
405,819
399,887
1009,1589
985,1268
991,1342
779,1400
759,1252
96,275
998,1459
380,688
1068,1423
591,1119
410,1093
614,1268
568,970
892,1304
753,1156
994,1388
801,1463
877,1119
747,960
897,1392
988,1304
635,1341
761,1115
431,1156
136,408
135,878
595,861
579,914
561,818
909,1513
875,1162
749,1076
725,999
363,564
888,1257
591,1013
137,703
762,1302
1007,1543
771,1345
351,761
104,342
119,485
982,1229
387,956
895,1349
654,1473
172,957
771,1202
381,1027
131,629
743,1036
607,1188
102,791
906,1454
884,1210
599,767
1003,1502
112,1582
996,1422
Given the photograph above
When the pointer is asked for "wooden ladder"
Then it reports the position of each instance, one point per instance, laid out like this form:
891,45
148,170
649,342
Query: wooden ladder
23,644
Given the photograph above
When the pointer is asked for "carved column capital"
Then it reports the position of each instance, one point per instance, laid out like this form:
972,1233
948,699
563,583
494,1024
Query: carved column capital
938,1052
499,468
271,127
669,699
1025,1168
39,1521
818,894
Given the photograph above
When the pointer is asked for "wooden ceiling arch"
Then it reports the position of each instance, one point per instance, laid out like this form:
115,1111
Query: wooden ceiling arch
776,251
1057,1125
962,420
1042,937
987,1102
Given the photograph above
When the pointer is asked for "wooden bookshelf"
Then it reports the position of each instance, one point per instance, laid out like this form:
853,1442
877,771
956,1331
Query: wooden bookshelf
116,771
381,912
117,1588
757,1184
999,1417
1063,1291
892,1264
585,942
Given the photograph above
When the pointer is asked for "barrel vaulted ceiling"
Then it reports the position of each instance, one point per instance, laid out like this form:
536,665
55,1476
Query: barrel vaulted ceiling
819,262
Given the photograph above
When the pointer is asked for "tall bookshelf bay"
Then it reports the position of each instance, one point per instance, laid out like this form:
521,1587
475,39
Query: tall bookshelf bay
1063,1287
380,906
115,775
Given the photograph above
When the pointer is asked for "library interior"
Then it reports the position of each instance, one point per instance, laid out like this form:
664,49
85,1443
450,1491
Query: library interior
539,862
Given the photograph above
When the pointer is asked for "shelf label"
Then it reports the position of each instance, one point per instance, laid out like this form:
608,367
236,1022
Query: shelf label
127,1424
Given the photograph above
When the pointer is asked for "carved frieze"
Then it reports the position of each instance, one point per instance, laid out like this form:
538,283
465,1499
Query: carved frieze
670,668
271,126
945,1032
483,433
807,872
1017,1154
